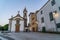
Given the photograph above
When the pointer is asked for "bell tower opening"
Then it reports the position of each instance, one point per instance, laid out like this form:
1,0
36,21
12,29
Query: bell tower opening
25,17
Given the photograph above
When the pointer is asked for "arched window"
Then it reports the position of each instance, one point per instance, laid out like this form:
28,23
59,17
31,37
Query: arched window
17,21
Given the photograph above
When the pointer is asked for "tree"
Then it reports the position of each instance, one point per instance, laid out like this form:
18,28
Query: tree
5,27
1,28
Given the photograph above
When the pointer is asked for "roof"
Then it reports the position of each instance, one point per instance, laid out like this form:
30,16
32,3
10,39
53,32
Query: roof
42,6
31,13
37,11
18,15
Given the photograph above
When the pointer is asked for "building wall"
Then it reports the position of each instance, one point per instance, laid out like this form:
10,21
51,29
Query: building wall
9,26
13,26
47,8
32,21
21,25
10,23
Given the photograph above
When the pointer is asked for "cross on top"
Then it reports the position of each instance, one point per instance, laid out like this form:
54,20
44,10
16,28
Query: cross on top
18,12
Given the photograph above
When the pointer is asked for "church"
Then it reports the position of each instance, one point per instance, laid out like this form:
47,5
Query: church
18,23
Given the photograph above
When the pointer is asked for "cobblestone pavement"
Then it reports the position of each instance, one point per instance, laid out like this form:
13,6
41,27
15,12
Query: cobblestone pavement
34,36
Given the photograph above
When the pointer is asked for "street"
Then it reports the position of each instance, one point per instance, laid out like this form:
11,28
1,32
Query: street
34,36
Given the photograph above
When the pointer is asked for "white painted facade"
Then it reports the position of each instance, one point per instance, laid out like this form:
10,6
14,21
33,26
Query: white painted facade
12,24
21,25
47,8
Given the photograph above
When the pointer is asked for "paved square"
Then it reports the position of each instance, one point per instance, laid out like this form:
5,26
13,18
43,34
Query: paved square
34,36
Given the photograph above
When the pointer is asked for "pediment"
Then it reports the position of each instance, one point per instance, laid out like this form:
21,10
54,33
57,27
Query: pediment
18,18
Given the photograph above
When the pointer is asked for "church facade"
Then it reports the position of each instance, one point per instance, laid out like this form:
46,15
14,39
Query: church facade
18,23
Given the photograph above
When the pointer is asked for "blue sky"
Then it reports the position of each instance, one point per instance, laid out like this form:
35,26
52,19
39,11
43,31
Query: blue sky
10,7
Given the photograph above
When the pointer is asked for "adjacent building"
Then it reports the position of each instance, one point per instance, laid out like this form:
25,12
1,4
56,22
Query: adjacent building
48,16
32,22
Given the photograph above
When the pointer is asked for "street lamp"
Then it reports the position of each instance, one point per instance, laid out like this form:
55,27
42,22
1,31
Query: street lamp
55,15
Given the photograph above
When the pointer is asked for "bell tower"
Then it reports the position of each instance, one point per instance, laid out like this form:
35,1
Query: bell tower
25,17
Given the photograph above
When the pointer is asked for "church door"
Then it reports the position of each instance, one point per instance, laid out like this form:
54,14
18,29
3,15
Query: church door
33,29
17,26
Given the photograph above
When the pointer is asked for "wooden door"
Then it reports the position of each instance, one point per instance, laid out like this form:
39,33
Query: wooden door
33,29
17,28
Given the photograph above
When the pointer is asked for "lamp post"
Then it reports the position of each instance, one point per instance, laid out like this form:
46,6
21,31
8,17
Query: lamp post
55,15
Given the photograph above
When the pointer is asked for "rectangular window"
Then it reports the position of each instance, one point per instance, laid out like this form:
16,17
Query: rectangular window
41,12
42,20
51,16
55,11
59,8
17,21
53,2
58,25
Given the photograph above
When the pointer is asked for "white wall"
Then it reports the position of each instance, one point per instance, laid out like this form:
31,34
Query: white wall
13,26
9,27
21,25
58,29
50,25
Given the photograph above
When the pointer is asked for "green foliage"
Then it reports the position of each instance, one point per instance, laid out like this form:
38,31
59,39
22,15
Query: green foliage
1,28
6,27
